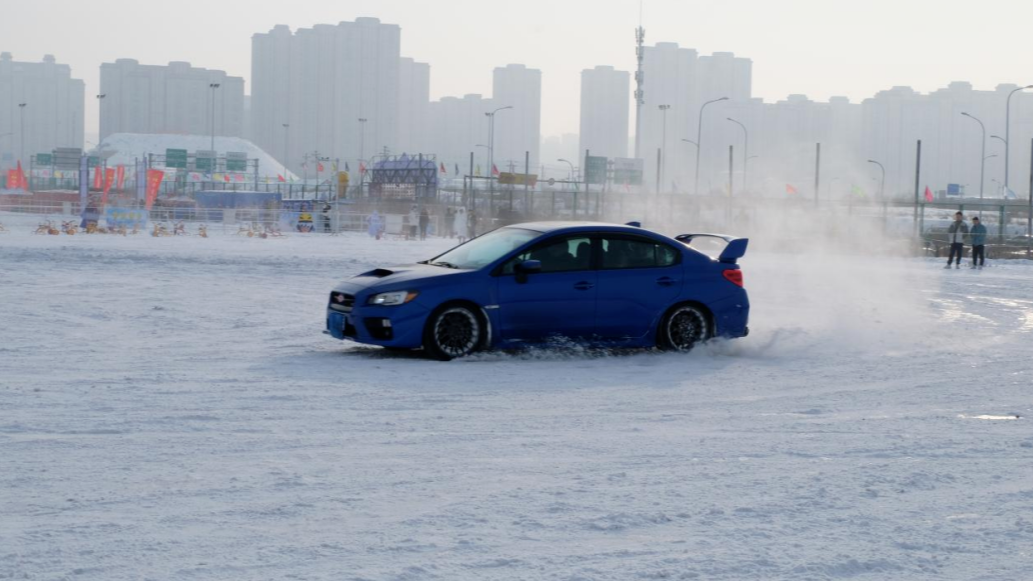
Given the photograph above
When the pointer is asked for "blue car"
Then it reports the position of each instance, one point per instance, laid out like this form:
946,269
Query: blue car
603,284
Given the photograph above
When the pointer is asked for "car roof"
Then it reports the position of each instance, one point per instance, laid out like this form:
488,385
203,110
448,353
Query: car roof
547,227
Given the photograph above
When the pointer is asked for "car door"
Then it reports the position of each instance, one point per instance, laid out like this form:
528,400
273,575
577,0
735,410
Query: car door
639,278
558,301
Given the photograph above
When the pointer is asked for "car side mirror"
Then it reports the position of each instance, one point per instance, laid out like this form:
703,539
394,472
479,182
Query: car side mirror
525,268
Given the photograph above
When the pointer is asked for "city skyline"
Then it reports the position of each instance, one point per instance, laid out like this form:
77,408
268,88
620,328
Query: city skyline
916,46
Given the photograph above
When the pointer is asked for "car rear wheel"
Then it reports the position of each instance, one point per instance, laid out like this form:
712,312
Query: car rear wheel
453,332
684,327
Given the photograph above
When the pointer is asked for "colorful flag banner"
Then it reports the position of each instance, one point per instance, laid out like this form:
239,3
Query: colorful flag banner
494,170
928,194
281,178
97,178
154,177
443,170
791,190
319,167
121,177
109,180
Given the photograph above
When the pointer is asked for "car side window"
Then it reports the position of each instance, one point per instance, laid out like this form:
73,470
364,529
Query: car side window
563,255
619,253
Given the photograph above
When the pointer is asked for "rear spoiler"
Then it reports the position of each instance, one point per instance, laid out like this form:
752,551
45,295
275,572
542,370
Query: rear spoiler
735,249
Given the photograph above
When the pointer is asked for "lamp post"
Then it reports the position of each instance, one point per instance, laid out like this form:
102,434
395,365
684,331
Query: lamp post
491,153
362,152
1007,130
663,147
571,174
286,141
100,107
882,181
745,151
982,160
213,87
699,137
21,132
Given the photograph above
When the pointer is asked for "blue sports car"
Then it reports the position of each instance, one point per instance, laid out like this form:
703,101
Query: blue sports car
605,284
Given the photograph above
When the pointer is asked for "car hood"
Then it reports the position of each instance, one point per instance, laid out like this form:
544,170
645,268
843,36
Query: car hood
396,277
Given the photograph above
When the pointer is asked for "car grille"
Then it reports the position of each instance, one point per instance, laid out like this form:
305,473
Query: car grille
342,302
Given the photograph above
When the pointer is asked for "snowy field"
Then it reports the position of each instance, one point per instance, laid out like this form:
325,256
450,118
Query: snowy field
169,409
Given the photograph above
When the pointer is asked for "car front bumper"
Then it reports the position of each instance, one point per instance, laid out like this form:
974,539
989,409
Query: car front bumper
400,326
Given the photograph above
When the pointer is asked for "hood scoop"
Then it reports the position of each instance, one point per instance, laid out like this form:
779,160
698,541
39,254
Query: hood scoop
378,273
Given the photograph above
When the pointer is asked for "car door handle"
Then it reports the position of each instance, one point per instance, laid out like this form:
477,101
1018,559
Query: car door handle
666,281
584,285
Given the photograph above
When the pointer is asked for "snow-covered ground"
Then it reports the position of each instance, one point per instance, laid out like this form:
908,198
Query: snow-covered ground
169,409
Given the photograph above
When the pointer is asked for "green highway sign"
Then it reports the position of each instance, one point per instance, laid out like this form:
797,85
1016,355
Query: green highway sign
236,161
595,170
176,158
44,159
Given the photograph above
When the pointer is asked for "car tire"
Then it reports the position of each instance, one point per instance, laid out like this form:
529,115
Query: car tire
684,327
453,331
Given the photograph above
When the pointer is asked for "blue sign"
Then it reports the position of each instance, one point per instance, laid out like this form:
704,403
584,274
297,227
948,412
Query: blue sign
953,189
129,217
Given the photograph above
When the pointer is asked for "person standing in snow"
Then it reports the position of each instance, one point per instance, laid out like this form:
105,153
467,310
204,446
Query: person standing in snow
956,237
449,223
414,222
373,225
978,243
461,227
326,216
424,222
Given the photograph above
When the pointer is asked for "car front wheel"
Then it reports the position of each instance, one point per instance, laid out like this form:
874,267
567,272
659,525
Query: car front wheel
453,332
683,328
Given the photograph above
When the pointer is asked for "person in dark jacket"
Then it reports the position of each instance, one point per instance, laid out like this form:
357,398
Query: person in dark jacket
424,222
956,237
978,243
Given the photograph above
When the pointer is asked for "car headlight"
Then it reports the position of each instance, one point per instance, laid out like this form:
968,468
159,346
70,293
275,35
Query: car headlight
392,298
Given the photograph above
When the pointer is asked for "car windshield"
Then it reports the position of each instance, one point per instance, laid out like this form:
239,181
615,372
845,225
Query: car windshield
484,250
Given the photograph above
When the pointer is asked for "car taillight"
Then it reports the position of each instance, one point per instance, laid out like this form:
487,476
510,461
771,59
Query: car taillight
734,276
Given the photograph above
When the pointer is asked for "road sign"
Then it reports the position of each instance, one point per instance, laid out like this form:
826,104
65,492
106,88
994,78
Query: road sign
518,179
627,171
44,159
94,161
176,158
552,181
236,161
67,158
204,160
595,170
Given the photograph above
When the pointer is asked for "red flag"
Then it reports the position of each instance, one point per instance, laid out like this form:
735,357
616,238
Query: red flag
319,167
13,180
280,177
226,177
928,194
791,190
494,170
121,180
24,183
362,167
109,180
154,177
443,170
98,180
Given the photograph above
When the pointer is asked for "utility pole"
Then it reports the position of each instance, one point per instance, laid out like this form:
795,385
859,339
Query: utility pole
745,150
699,137
640,82
362,153
100,115
1007,133
918,175
286,137
663,147
817,173
731,149
213,87
21,136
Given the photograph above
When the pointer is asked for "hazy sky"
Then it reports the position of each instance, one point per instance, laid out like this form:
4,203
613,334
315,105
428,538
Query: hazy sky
819,48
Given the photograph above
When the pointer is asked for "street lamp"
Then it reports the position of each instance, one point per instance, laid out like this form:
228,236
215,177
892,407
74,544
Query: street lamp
571,175
21,135
1007,130
362,151
213,87
699,137
100,116
982,161
745,151
491,138
663,149
882,182
286,138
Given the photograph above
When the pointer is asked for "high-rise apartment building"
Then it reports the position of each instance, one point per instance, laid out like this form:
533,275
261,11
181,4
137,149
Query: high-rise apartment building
52,115
177,98
331,89
605,106
517,130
